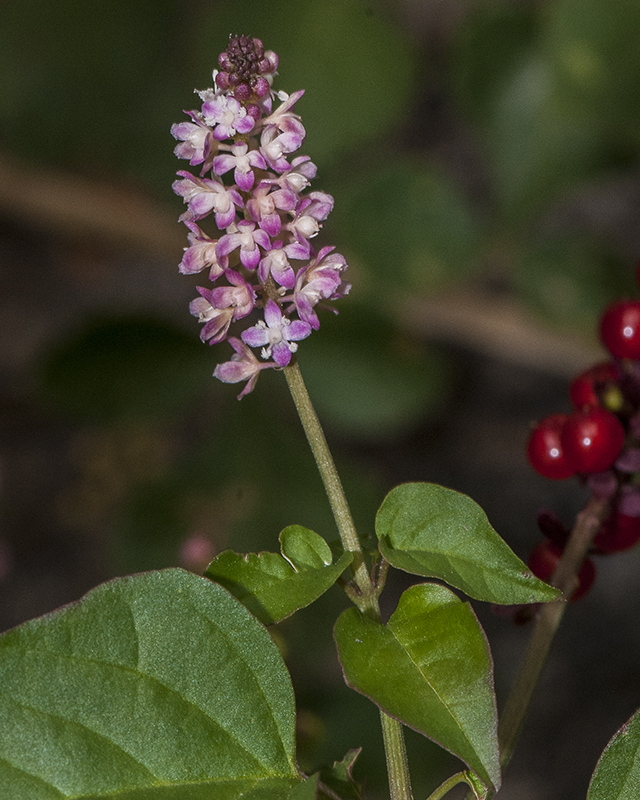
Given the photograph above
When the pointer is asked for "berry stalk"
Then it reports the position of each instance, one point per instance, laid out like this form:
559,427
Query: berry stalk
587,524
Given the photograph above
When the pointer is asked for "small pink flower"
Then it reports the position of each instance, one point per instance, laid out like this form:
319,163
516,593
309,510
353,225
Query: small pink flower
248,240
300,175
276,263
204,196
285,120
217,308
314,208
276,334
274,146
264,202
243,366
200,254
242,161
216,320
240,295
227,115
197,142
319,280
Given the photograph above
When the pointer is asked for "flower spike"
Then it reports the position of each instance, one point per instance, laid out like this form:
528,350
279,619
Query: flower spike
249,215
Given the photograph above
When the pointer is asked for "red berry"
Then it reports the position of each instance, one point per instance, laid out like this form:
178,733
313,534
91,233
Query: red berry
620,329
544,560
618,532
592,439
584,388
545,451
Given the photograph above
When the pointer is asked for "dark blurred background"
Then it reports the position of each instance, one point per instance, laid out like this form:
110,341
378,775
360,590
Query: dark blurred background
485,162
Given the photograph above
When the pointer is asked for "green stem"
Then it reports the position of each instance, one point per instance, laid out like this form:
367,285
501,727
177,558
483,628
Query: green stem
366,597
549,617
396,754
333,487
454,780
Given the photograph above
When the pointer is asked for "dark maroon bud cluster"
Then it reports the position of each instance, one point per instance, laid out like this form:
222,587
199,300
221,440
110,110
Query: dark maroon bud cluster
244,67
598,442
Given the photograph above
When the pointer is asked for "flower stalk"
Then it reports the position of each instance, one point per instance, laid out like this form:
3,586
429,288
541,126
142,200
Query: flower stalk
366,596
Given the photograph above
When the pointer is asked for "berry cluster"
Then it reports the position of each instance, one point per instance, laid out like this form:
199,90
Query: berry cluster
263,220
599,442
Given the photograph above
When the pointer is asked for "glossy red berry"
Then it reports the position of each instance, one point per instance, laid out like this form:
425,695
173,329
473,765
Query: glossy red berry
620,329
592,439
545,451
544,560
584,388
618,532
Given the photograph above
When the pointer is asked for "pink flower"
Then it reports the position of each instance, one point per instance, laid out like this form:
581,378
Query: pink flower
274,146
262,206
319,280
201,253
264,219
314,208
284,119
242,162
243,366
240,295
300,175
276,335
276,263
227,115
204,195
217,308
248,240
197,140
216,320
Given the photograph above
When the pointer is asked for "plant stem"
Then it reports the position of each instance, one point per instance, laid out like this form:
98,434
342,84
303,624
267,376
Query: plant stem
454,780
333,487
367,597
549,617
396,754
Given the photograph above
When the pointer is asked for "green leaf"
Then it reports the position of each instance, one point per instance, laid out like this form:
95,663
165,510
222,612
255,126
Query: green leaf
159,685
617,774
430,667
304,549
307,790
429,530
338,779
274,586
